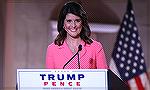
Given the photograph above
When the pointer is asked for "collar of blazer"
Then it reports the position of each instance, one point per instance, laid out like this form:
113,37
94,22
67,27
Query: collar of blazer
64,48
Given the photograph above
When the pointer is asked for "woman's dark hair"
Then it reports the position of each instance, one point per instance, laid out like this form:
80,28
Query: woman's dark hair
76,9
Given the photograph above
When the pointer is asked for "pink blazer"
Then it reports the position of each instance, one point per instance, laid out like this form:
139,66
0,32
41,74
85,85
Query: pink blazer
90,57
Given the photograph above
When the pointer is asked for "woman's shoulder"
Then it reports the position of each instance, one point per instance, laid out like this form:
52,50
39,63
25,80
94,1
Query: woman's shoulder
52,46
96,44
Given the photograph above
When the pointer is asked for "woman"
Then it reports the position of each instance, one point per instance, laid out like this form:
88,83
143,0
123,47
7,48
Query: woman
73,31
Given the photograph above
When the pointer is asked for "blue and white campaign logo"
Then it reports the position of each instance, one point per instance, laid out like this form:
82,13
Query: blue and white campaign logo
47,79
61,80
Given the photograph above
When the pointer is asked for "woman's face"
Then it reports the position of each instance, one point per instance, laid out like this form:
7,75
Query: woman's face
73,25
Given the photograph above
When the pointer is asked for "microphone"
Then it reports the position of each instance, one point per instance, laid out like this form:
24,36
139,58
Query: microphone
77,53
79,49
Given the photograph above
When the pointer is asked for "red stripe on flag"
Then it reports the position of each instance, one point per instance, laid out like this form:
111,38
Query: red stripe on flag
139,83
129,85
147,76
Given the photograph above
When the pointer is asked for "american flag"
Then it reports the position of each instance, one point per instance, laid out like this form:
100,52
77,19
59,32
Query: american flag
128,57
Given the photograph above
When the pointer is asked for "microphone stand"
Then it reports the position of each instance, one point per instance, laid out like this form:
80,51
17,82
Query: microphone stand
78,61
79,49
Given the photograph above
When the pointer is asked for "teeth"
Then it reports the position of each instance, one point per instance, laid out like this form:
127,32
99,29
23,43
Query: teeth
73,30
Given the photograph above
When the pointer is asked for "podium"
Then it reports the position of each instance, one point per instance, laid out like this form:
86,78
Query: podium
68,79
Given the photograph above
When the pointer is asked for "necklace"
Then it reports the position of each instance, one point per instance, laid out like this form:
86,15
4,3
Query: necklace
73,47
73,50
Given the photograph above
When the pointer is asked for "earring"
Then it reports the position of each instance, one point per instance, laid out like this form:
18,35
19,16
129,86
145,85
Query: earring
63,27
